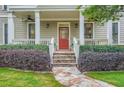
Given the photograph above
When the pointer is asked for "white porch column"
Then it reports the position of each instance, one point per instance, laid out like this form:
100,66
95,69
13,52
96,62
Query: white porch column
10,28
81,29
109,32
37,27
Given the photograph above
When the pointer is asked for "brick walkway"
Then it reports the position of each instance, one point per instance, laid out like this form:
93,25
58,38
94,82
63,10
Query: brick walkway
71,77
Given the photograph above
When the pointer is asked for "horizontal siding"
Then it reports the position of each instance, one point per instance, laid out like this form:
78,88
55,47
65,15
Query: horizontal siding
20,29
3,12
52,30
100,31
49,32
122,30
74,30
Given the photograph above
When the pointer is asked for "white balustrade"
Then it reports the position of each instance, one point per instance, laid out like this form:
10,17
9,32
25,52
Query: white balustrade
24,41
96,41
45,41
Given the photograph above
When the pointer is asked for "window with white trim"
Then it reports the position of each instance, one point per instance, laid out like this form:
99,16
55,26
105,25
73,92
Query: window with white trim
5,33
31,31
4,7
115,33
88,30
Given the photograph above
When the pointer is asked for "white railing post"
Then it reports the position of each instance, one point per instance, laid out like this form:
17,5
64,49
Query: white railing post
51,49
76,48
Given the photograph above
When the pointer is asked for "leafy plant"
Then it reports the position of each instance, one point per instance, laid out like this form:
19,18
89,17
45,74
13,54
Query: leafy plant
92,61
43,48
102,13
25,59
101,48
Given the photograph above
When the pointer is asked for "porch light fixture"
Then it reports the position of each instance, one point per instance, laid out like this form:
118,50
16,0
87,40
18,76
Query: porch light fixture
47,25
76,25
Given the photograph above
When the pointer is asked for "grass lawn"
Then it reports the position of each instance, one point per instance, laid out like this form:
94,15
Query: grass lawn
11,77
115,77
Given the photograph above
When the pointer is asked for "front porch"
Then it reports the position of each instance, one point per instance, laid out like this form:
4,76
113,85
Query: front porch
39,27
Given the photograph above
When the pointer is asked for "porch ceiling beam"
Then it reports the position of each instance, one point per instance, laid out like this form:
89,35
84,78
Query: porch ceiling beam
59,19
17,10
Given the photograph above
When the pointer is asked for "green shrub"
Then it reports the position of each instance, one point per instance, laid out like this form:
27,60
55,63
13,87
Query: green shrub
94,61
25,59
44,48
102,48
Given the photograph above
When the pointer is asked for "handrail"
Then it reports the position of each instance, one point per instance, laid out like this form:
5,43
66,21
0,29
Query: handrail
76,48
51,49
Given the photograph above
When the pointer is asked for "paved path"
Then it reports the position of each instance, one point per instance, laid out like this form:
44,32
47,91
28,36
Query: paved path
71,77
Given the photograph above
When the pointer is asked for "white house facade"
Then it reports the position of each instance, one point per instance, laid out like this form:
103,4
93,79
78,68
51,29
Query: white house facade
42,23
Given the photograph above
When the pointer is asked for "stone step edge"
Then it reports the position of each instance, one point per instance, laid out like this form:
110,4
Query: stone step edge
65,63
64,53
69,59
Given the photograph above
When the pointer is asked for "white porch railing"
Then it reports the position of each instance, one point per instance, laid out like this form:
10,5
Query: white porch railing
76,48
24,41
51,49
96,41
45,41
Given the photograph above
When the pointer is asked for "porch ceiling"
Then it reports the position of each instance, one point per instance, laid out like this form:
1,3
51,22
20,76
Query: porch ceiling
51,14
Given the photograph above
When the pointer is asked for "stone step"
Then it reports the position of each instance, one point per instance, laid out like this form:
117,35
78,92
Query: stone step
60,61
64,56
64,64
64,59
64,53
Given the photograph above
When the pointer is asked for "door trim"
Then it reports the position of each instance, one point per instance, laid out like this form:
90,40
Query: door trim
58,25
68,36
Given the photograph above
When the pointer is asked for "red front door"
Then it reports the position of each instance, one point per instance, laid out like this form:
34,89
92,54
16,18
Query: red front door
63,37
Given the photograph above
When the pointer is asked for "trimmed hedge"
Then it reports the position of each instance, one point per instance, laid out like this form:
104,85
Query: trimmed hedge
101,61
101,48
25,59
43,48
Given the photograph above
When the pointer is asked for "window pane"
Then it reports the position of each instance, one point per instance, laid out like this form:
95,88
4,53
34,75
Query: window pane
115,33
88,30
6,33
31,31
